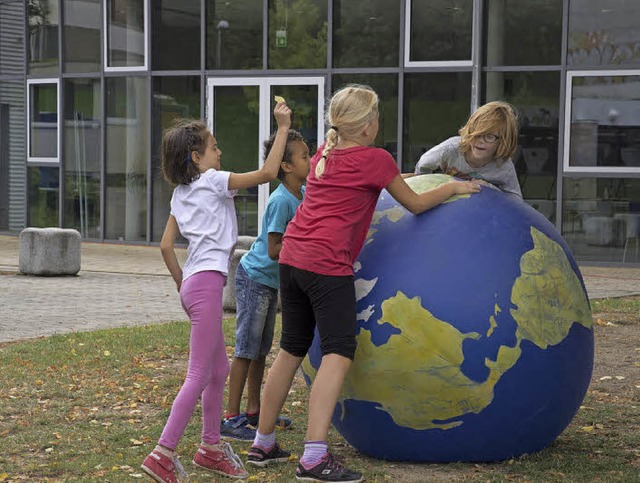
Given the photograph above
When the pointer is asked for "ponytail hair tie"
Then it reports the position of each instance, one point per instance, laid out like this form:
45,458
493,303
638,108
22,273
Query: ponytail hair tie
334,128
188,159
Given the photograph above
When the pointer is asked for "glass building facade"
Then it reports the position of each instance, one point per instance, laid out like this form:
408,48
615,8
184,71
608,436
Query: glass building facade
87,87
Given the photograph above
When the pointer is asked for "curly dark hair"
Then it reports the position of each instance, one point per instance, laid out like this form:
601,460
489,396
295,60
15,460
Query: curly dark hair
292,136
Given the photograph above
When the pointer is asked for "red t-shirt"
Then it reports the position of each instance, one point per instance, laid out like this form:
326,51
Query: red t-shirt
330,226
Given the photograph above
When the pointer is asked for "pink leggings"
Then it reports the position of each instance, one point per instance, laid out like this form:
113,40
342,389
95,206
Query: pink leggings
201,297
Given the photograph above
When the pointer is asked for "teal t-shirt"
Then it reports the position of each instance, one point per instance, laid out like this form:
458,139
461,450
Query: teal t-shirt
280,209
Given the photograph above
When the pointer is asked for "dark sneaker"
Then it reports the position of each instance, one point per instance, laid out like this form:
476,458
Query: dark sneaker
328,469
282,422
238,428
258,457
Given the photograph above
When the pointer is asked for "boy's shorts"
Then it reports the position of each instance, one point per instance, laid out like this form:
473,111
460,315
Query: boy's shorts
310,299
256,306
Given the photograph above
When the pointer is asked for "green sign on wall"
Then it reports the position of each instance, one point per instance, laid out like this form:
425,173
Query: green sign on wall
281,38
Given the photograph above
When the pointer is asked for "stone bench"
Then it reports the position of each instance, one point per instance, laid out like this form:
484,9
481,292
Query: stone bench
229,294
49,251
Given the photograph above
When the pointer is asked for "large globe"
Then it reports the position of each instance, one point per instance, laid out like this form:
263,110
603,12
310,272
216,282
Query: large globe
475,338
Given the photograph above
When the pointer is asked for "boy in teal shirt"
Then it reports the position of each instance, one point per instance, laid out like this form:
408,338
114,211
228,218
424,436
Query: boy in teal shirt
257,283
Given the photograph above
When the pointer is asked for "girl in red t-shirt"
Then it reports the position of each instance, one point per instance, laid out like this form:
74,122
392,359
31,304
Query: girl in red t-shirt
319,249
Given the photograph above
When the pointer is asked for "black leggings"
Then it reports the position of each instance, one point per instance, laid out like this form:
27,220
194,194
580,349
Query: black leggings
310,299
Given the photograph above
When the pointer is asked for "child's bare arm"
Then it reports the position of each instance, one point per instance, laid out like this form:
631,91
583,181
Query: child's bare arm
274,245
167,248
418,203
269,169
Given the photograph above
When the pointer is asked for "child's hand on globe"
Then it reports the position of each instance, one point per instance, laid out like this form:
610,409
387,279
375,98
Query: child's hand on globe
465,187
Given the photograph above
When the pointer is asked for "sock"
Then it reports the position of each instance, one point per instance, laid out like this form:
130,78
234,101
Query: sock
314,451
265,441
231,415
165,451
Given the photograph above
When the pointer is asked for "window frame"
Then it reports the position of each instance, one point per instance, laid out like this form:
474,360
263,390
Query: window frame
38,159
105,40
604,170
442,63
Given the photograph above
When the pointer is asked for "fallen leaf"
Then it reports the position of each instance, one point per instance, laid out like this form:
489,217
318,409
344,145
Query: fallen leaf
605,378
620,378
107,353
135,442
4,476
278,98
587,429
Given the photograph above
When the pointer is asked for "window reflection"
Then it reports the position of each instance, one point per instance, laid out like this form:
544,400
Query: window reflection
536,96
237,117
176,35
125,33
297,34
43,121
82,43
44,189
605,126
386,86
601,218
435,107
126,158
12,38
82,148
366,34
173,97
234,34
603,33
521,32
43,36
441,30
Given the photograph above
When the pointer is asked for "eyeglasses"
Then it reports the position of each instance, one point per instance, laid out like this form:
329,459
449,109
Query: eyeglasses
489,138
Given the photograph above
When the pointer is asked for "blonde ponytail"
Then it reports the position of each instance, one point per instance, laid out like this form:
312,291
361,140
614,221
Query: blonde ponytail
350,110
330,143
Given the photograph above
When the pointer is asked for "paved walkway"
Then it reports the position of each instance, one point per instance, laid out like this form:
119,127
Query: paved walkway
123,285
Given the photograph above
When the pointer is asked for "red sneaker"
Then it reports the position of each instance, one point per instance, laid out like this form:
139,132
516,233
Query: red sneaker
162,468
221,460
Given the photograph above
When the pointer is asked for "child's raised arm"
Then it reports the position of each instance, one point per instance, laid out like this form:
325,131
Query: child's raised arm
269,170
417,203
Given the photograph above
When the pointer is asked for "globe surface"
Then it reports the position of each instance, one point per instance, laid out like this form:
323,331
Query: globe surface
475,335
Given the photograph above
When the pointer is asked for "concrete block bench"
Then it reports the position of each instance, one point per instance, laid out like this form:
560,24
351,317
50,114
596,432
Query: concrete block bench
244,242
49,251
229,292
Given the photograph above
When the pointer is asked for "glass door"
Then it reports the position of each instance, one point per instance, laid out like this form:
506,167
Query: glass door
239,112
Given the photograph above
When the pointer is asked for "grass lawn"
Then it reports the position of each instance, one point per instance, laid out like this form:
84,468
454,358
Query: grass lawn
90,406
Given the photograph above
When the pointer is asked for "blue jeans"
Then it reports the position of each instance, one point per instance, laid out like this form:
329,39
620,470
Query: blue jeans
256,307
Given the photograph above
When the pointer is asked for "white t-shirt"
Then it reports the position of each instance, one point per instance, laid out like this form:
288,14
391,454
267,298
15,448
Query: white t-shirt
206,216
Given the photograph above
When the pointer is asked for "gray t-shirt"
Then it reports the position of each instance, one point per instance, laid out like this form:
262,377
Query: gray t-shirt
447,158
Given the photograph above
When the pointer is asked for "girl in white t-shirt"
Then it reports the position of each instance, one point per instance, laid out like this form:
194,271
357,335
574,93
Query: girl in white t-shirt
202,210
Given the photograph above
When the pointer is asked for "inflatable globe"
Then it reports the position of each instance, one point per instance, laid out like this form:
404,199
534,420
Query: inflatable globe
475,336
